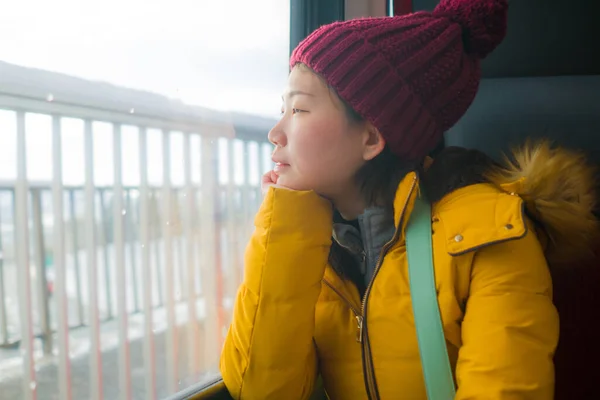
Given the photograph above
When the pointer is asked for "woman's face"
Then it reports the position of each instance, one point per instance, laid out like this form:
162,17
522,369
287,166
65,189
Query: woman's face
317,147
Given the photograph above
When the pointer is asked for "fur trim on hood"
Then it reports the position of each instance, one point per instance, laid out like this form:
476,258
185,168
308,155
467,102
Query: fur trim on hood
557,185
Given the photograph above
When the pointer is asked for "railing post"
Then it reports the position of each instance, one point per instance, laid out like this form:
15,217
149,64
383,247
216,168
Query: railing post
105,236
96,390
172,336
130,236
77,266
209,245
121,274
64,361
156,232
230,215
22,244
246,206
149,357
3,313
40,262
190,217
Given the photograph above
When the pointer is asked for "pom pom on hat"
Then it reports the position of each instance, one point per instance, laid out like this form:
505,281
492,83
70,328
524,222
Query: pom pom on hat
483,22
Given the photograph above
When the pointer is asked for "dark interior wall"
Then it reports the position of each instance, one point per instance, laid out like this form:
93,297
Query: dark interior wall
545,38
308,15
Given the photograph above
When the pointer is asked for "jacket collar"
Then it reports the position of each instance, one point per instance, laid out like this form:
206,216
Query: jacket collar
404,199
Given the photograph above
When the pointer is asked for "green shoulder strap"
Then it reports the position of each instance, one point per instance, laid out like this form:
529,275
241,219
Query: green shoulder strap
430,333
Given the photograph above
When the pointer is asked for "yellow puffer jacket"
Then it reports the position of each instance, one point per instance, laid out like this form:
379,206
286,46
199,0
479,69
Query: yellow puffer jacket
295,318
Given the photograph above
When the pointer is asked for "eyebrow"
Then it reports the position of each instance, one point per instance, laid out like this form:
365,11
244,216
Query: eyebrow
297,93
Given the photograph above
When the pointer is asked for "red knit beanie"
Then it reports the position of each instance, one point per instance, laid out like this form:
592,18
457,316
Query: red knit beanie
412,76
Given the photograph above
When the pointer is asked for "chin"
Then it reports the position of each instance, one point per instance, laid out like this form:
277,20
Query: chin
291,183
288,183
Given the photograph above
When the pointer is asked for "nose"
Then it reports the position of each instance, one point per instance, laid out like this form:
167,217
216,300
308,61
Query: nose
277,135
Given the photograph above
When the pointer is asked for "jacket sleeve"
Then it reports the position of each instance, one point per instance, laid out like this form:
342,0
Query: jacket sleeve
510,329
269,351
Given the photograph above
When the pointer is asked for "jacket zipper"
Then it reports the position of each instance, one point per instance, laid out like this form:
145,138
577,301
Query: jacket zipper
357,314
360,315
368,369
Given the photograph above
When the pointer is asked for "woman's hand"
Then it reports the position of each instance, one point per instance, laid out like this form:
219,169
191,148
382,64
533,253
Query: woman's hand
269,179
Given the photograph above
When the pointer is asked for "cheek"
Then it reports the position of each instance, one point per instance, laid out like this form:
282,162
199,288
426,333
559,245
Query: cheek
316,144
326,153
311,146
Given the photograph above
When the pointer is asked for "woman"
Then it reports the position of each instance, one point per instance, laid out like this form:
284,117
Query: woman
366,101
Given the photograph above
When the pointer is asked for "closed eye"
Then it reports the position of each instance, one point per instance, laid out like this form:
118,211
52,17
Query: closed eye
294,111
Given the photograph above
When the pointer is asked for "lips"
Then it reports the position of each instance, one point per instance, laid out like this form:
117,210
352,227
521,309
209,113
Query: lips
280,167
279,162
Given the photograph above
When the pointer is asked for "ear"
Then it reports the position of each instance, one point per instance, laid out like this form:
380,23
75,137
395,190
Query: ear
373,142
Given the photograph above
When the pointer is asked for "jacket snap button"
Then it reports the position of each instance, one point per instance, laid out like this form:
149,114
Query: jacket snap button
458,238
508,226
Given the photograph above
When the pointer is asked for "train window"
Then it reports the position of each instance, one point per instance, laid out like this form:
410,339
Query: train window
162,110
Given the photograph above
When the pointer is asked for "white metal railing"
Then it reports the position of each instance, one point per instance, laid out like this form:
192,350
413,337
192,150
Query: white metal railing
175,248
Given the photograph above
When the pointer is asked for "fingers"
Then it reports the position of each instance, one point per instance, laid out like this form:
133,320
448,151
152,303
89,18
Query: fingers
269,179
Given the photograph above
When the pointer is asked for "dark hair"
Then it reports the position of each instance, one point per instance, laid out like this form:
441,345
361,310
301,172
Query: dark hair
378,181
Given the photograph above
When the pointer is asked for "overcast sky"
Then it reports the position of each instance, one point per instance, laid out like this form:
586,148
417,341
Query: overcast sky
228,55
223,54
